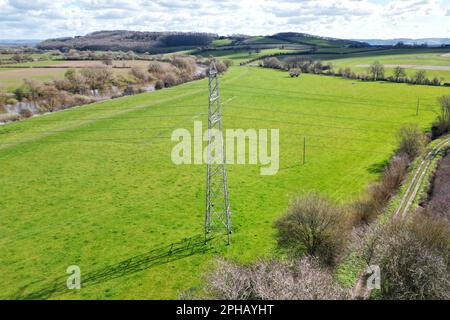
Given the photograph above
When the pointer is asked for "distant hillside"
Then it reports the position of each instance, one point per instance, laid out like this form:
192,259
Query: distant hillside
18,43
129,40
433,42
307,39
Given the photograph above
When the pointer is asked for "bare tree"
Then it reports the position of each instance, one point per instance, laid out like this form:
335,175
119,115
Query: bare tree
376,69
314,226
399,73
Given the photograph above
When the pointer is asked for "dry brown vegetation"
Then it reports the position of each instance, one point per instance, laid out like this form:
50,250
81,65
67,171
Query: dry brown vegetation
413,256
85,85
302,279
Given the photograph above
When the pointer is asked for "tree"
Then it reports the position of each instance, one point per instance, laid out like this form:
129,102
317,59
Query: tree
420,77
312,225
376,69
399,73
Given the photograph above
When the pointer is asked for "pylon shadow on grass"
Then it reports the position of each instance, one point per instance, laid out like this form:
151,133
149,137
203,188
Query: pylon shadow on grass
159,256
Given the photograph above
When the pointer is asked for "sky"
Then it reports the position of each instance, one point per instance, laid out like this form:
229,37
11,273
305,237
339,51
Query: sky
349,19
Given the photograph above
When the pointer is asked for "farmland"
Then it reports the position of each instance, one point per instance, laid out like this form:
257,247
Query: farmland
434,61
12,77
94,186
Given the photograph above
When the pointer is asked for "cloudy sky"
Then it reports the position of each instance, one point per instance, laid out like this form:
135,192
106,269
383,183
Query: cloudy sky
39,19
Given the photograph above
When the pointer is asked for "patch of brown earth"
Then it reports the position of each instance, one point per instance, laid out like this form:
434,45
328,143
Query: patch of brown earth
439,204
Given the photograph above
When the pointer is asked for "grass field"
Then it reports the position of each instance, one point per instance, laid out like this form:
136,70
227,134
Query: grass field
94,186
422,57
12,78
238,56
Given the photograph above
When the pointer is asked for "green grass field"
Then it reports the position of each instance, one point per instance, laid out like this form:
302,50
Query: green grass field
94,186
238,56
419,57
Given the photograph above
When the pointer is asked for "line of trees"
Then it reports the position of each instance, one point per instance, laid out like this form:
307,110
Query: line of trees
375,72
87,85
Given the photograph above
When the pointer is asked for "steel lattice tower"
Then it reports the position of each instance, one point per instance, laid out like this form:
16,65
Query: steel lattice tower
218,214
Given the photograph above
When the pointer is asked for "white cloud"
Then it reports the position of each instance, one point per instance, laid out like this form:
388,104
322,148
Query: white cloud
336,18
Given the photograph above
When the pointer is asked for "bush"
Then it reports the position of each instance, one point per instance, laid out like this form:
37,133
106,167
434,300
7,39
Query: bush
170,80
413,257
273,280
295,72
442,124
9,117
273,63
313,226
11,101
19,93
159,85
412,141
156,68
140,74
25,113
186,64
379,194
228,63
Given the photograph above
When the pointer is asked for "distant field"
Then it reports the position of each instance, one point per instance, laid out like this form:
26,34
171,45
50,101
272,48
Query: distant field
12,78
238,56
95,186
397,57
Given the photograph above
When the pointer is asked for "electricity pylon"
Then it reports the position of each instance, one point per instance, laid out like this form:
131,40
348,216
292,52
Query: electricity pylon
218,214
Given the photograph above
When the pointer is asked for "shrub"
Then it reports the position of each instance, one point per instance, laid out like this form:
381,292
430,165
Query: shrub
413,257
156,68
186,64
25,113
9,117
436,81
159,85
295,72
170,80
140,73
347,73
19,93
314,226
412,141
273,63
442,124
11,101
379,194
228,63
98,78
273,280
